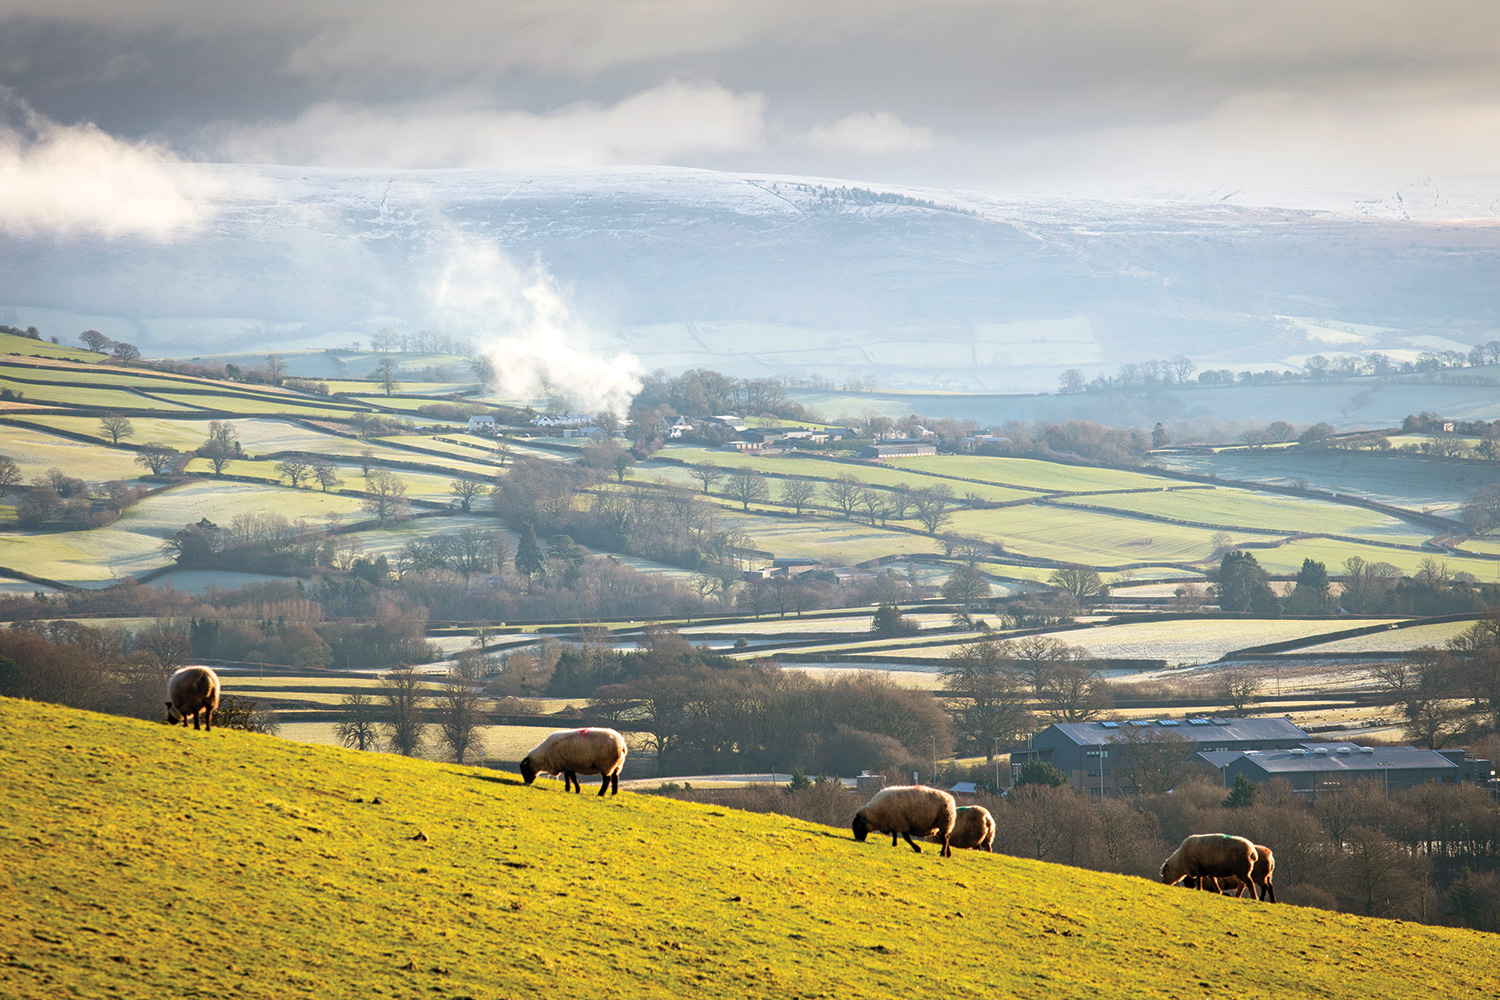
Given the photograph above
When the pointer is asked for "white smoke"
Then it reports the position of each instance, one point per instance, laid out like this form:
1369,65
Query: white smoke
524,326
67,180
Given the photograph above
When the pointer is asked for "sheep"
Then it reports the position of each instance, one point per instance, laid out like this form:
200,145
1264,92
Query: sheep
571,752
193,691
973,827
1260,878
1208,856
903,810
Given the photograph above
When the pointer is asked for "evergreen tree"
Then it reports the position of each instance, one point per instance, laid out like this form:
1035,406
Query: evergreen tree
1311,596
1242,794
529,558
1039,772
1159,437
1243,586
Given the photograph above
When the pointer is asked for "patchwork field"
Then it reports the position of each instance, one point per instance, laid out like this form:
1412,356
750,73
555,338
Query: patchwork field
1394,640
325,872
36,451
1032,474
1260,512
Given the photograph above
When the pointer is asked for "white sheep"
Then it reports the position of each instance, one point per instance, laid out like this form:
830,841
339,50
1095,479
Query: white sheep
1209,856
192,691
571,752
903,810
973,828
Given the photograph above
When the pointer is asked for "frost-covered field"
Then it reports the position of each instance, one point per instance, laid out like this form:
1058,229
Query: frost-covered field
1395,640
36,451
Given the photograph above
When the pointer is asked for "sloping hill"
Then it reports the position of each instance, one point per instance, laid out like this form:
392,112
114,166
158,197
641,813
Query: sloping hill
146,861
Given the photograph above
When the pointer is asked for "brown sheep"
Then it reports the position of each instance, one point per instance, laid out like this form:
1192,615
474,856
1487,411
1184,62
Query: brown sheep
1260,878
1209,856
571,752
973,828
903,810
193,691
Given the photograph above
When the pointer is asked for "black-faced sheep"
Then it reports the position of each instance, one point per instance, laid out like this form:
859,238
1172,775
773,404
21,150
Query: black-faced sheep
192,691
973,828
571,752
1260,878
903,810
1209,856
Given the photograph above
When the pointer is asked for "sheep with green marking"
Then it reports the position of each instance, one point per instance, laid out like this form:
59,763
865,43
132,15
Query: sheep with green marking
1207,856
903,810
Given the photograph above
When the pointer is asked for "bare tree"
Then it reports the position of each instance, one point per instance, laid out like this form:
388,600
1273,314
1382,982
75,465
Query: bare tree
126,353
326,474
406,714
798,493
933,503
990,695
747,488
154,456
385,495
467,489
1240,687
95,341
1150,760
458,714
115,427
1037,656
357,729
1075,693
843,494
275,368
1082,582
294,469
707,475
385,374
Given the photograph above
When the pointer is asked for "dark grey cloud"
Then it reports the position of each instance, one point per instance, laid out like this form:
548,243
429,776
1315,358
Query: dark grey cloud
1271,99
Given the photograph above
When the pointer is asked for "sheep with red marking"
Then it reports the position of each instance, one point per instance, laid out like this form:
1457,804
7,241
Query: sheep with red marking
192,692
1205,856
903,810
973,829
571,752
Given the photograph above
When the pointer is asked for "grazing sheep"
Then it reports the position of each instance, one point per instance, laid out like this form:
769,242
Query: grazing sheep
1260,878
1209,856
571,752
974,828
193,691
903,810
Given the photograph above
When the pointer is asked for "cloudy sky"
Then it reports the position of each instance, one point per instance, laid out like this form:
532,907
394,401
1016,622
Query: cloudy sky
1254,101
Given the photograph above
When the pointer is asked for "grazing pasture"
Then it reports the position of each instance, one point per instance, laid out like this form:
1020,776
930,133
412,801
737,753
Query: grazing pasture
319,871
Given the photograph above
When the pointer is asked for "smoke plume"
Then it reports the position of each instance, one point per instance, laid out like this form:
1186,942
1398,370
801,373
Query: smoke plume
525,328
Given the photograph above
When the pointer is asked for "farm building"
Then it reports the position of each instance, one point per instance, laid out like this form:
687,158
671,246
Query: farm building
1089,753
1312,767
904,449
784,568
482,424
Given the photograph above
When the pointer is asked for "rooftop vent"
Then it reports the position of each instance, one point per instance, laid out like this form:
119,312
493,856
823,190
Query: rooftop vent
1369,750
1166,722
1110,725
1344,750
1143,723
1299,752
1197,722
1220,722
1321,751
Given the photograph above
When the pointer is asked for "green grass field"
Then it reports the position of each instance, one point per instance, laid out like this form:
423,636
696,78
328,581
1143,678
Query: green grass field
105,396
26,347
1262,511
1031,474
36,451
1085,536
146,861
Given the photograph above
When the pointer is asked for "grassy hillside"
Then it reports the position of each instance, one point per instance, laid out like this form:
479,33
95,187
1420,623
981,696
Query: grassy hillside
144,861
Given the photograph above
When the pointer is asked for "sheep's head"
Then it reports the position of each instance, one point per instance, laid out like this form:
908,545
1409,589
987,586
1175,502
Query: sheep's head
861,828
1169,874
173,716
528,772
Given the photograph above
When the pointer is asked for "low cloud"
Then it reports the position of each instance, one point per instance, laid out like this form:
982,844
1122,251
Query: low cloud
74,180
654,126
870,134
523,323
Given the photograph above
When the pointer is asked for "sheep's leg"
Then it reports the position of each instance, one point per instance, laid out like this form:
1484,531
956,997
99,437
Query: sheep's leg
208,720
947,851
913,843
603,784
196,712
894,835
614,784
1268,892
570,782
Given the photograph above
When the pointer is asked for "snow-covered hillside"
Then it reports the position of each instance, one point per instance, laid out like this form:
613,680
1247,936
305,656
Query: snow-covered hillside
767,275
